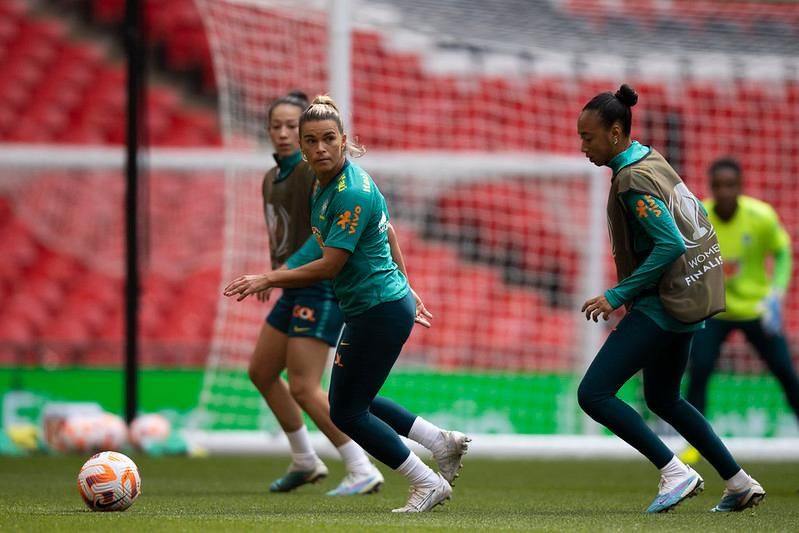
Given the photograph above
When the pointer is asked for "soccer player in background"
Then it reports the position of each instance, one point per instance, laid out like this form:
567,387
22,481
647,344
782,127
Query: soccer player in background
669,270
355,245
303,324
749,233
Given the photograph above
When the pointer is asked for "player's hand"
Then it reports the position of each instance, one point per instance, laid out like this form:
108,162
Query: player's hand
596,306
423,316
264,296
247,285
771,320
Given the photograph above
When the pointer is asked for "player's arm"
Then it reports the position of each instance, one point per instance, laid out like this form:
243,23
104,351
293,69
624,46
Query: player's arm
780,247
423,316
327,267
351,210
783,260
396,252
308,252
653,215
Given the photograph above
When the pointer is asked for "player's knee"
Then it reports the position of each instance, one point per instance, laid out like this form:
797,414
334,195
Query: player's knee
587,396
303,392
341,418
661,405
346,420
260,377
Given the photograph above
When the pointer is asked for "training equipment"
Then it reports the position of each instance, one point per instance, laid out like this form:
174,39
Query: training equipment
468,113
109,481
90,433
149,429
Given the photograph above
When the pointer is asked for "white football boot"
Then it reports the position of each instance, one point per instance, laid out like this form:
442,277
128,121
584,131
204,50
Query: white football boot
359,483
449,454
423,499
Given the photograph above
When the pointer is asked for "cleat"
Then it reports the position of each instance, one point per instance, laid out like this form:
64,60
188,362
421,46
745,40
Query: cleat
738,501
448,456
671,494
357,483
423,499
296,477
690,456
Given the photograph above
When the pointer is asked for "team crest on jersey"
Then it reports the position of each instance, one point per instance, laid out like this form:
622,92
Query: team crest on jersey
643,208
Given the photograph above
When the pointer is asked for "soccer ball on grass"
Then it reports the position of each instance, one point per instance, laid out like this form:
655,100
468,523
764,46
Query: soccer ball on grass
109,481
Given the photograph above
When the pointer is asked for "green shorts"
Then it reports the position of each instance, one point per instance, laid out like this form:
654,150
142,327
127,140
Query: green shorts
308,312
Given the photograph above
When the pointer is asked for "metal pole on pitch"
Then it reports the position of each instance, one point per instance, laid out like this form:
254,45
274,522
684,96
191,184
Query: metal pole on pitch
135,57
340,58
595,251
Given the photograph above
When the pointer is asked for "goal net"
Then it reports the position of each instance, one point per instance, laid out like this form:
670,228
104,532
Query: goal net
468,111
470,125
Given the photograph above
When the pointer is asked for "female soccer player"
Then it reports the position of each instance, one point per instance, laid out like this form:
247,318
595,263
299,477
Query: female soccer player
749,232
670,279
355,246
304,323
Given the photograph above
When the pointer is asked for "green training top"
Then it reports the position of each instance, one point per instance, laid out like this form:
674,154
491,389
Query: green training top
350,213
656,238
752,235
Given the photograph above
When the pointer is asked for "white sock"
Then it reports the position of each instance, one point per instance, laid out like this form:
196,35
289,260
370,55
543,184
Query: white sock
418,473
355,459
425,433
738,482
674,469
302,453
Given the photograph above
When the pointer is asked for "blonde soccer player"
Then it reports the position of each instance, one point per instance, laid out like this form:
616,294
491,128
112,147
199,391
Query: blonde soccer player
355,245
303,324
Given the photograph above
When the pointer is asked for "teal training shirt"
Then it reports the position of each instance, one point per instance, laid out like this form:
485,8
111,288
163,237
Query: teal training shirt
657,240
350,213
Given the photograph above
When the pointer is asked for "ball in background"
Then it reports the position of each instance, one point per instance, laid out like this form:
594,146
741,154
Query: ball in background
109,481
149,429
90,434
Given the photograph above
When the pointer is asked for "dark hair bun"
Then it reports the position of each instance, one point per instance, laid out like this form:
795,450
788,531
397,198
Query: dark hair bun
299,95
627,95
298,98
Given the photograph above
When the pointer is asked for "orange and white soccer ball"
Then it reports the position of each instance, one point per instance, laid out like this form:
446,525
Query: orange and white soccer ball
91,433
149,429
109,481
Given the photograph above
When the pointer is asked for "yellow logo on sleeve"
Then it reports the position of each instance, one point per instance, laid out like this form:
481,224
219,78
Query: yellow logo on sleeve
650,206
350,219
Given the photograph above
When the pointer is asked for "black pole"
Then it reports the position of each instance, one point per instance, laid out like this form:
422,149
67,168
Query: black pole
135,55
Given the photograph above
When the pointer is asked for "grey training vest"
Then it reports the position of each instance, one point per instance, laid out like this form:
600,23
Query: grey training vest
692,288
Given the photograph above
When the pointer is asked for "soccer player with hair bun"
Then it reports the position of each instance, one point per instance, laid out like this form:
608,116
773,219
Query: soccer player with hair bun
303,324
670,279
355,245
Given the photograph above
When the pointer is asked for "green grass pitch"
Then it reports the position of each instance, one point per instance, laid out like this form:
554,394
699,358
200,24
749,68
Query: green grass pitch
229,493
